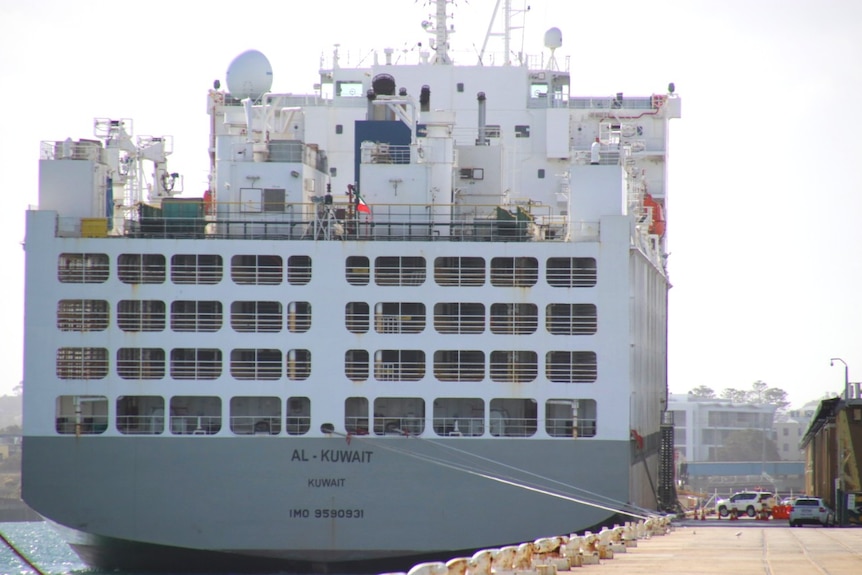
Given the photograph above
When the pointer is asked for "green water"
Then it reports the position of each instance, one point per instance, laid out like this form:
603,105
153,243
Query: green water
42,546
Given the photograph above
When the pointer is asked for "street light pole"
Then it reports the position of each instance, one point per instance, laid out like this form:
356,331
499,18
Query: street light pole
839,468
846,376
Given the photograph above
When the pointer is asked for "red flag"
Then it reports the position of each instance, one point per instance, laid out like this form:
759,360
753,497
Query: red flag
361,206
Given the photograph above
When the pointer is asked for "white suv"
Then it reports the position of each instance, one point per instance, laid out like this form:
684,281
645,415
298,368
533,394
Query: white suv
811,510
745,502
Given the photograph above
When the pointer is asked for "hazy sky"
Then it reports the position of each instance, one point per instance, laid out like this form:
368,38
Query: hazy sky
764,186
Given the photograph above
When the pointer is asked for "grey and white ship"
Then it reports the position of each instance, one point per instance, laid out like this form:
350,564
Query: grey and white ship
419,311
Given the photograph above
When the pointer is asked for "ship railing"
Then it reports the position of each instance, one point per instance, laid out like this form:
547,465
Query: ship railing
141,424
255,424
614,153
410,425
89,425
383,153
614,103
459,426
70,150
463,57
386,222
513,426
385,425
356,425
569,427
195,424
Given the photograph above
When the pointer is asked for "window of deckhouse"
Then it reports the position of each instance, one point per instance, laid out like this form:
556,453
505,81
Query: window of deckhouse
256,364
81,414
299,316
141,315
571,366
514,272
196,316
459,416
82,363
570,417
250,415
298,270
399,415
196,269
399,317
399,365
459,271
512,417
298,415
256,316
83,268
196,363
356,415
356,317
571,319
257,269
141,363
141,268
356,270
514,318
571,272
516,366
140,414
356,364
399,270
459,365
82,315
298,364
459,318
195,415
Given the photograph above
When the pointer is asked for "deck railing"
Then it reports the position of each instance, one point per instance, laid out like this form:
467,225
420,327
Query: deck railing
306,222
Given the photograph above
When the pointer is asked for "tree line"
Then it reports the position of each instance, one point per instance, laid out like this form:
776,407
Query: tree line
759,394
747,444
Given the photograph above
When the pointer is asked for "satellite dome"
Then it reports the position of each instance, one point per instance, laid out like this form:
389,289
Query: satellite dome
249,75
553,38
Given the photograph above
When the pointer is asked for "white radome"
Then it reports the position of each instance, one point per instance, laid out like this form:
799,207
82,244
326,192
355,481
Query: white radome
249,75
553,38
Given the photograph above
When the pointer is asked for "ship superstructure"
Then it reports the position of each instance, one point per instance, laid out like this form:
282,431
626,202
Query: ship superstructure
419,311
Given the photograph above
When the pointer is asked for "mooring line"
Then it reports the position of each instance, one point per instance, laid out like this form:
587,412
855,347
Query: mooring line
21,555
470,470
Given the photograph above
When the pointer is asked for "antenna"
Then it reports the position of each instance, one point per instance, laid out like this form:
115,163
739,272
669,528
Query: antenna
440,42
508,28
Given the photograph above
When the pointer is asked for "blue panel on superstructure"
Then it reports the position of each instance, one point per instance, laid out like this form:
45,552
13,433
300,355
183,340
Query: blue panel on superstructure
380,131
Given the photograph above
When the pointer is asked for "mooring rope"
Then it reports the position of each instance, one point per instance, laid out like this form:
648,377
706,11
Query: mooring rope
619,507
21,555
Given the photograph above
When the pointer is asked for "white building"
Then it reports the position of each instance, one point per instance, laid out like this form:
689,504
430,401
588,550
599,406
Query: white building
702,426
790,429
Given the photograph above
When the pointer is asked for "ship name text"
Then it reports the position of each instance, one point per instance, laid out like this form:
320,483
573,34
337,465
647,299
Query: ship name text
333,456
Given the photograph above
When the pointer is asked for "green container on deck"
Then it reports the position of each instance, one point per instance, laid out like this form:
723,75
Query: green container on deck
183,216
183,208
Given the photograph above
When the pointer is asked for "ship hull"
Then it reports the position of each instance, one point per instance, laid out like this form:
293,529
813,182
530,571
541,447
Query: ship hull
241,504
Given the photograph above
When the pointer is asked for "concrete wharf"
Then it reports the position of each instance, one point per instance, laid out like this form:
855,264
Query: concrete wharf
744,547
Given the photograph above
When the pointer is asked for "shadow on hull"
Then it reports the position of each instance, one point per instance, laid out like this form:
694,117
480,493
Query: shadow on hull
122,555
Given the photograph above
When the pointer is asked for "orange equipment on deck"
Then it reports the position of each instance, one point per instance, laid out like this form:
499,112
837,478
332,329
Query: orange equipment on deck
658,224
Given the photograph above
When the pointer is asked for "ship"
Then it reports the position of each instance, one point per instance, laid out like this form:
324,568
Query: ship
418,311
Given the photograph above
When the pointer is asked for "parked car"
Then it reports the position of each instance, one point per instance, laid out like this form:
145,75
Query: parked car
811,510
745,502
